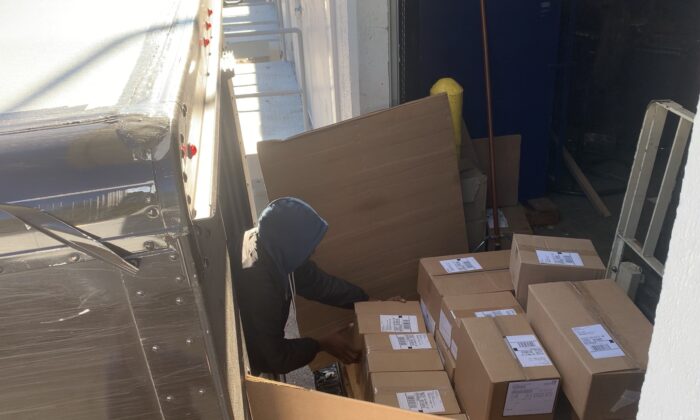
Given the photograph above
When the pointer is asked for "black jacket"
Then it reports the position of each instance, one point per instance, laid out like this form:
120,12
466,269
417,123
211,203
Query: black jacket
264,298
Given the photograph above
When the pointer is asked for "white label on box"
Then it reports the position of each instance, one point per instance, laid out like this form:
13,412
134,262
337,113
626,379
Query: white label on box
495,313
598,342
460,265
409,341
399,323
454,349
445,327
502,221
559,258
421,401
429,322
528,350
530,397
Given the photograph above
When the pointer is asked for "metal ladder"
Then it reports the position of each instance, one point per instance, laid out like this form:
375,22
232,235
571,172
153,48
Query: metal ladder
640,175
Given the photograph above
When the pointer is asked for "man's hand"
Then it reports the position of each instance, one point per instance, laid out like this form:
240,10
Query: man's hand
339,345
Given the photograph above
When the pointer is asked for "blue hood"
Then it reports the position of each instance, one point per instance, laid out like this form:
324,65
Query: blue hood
289,230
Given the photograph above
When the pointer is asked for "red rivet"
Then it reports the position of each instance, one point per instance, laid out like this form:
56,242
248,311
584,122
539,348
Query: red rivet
206,42
191,150
209,12
207,25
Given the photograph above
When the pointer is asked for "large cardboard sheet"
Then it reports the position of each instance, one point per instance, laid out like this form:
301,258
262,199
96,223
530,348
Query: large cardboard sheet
270,400
388,185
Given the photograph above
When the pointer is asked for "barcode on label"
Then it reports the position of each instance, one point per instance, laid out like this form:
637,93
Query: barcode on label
410,342
530,397
460,265
495,313
597,341
559,258
421,401
528,351
398,323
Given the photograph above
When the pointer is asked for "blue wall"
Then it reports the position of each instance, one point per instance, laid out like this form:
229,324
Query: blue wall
523,42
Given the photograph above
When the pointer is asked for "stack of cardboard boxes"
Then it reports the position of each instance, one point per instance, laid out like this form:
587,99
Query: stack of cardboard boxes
580,337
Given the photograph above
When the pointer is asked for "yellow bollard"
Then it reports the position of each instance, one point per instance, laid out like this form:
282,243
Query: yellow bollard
455,94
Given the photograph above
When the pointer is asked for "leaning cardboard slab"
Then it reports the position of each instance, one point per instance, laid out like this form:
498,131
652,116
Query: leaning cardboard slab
507,150
388,185
428,392
599,341
269,400
542,259
503,370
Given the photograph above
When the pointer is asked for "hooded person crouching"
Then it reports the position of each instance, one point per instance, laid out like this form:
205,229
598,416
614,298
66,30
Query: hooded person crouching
276,266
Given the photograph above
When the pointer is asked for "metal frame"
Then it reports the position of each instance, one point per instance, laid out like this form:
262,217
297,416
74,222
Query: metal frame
640,175
302,82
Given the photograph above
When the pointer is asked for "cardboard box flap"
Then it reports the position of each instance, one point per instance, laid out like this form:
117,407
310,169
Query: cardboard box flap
526,247
495,260
573,305
361,175
488,337
482,282
394,353
465,306
269,400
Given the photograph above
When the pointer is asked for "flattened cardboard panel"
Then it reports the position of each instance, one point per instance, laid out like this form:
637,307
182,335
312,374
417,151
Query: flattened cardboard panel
270,400
388,185
507,167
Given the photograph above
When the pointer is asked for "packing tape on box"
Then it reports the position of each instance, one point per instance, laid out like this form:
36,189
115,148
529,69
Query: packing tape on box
598,313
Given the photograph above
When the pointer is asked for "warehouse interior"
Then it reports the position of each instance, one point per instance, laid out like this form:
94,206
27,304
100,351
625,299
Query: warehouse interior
341,209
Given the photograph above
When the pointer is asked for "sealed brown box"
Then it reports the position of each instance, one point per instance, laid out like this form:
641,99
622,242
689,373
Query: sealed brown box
542,259
456,416
511,220
427,392
401,353
473,306
598,339
460,274
388,317
503,370
447,359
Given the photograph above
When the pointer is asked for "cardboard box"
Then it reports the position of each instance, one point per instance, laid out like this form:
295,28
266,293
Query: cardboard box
454,308
507,166
388,317
503,371
542,212
511,220
541,259
270,400
447,359
598,339
456,416
371,240
460,274
474,198
429,392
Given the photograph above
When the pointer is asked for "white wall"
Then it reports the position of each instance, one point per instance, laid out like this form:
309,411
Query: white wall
346,48
672,386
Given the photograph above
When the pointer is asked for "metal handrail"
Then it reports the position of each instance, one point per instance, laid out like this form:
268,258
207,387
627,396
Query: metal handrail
302,82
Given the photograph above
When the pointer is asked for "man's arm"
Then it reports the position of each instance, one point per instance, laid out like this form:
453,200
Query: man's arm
314,284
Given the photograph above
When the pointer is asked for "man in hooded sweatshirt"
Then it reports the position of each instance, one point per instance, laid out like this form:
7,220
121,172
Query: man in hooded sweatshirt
276,266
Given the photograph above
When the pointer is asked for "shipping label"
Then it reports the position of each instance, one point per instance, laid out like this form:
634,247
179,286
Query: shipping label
429,321
528,351
409,341
421,401
598,342
559,258
495,313
531,397
399,323
460,265
445,327
454,349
